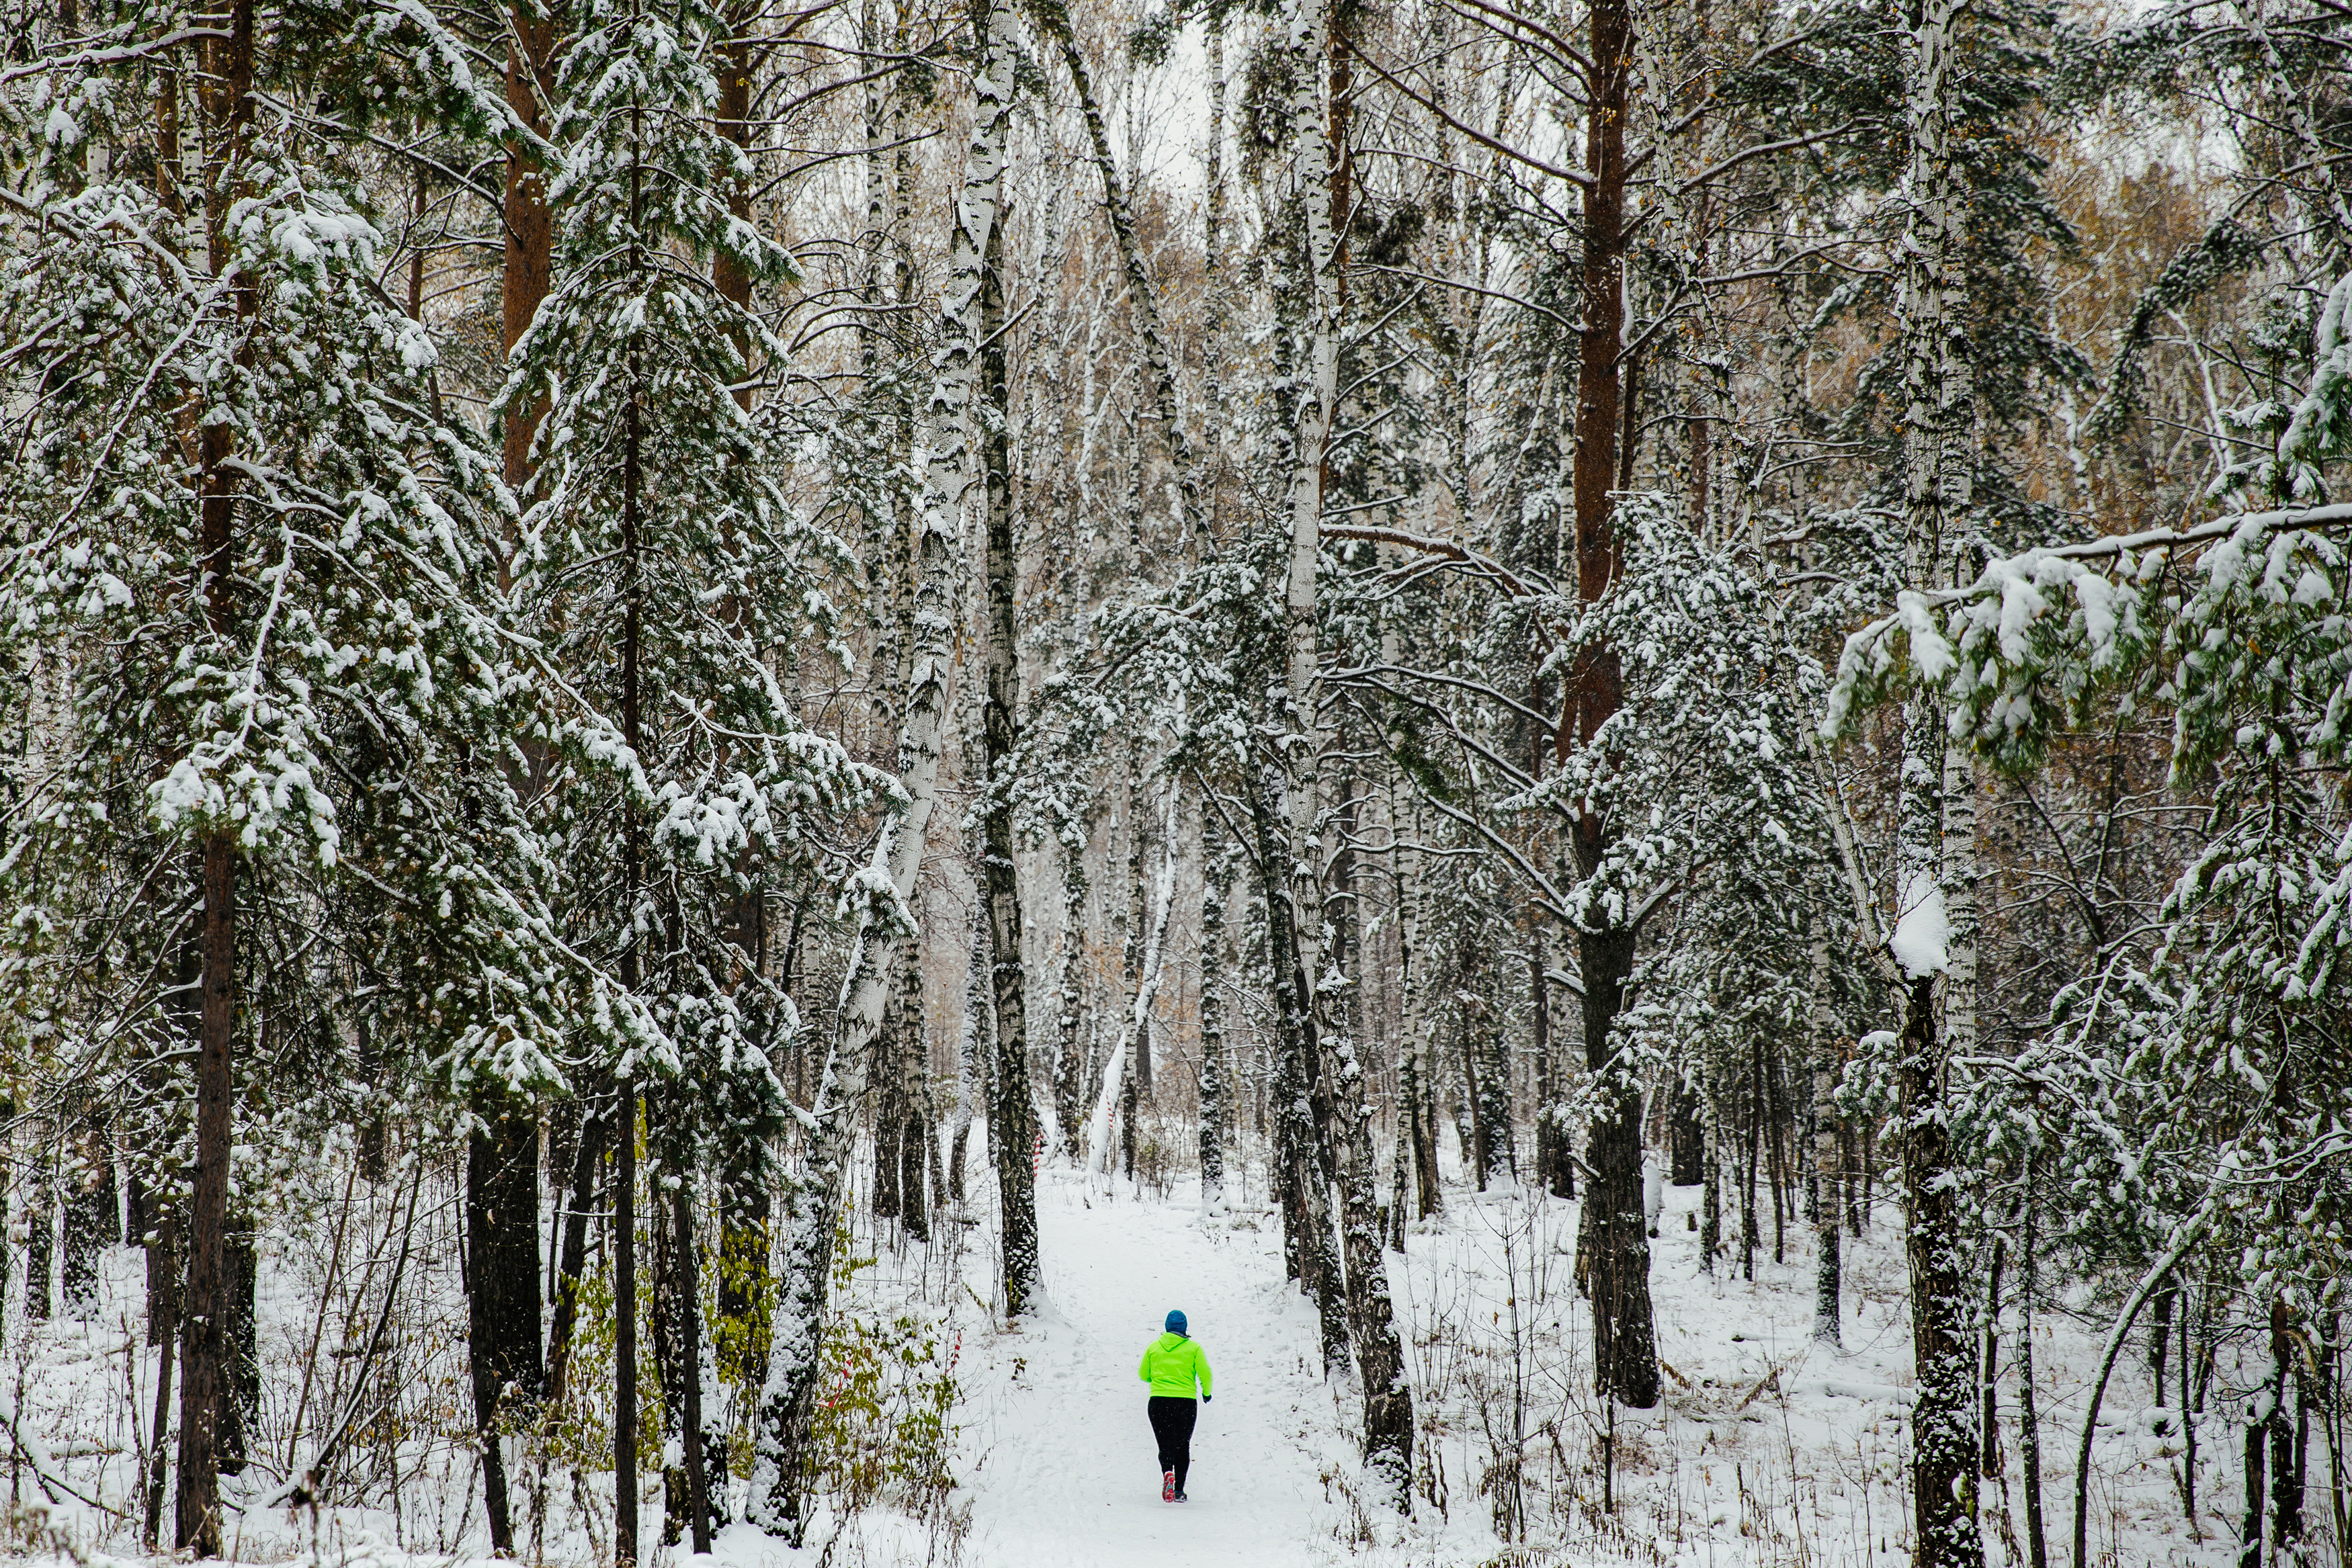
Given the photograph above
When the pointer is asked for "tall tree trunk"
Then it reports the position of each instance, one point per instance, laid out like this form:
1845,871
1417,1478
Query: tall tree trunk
1012,1114
1826,1261
1936,823
788,1402
1477,1095
1136,922
1615,1237
1989,1464
163,1333
530,226
1615,1240
1069,1062
632,957
1778,1122
1216,1094
225,95
1495,1085
1944,1440
671,1307
2286,1463
1213,262
1710,1226
1548,1152
1416,1109
2028,1415
916,1154
1755,1130
502,1264
1305,1194
2160,1339
889,1096
976,1049
1309,30
1685,1136
1380,1354
240,1360
734,123
203,1385
2259,1409
694,1357
624,1328
1124,1068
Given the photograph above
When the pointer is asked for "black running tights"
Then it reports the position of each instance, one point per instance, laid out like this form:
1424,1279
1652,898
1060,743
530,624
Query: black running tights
1172,1423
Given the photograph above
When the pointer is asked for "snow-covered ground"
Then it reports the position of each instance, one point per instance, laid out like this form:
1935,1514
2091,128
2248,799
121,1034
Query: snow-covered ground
1062,1461
1767,1448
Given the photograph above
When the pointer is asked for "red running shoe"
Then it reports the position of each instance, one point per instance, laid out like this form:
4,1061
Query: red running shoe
1168,1486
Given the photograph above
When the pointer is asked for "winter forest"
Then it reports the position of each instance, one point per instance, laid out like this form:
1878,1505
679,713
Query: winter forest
729,729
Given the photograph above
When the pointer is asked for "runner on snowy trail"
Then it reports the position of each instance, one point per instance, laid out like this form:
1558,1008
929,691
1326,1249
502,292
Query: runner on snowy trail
1173,1365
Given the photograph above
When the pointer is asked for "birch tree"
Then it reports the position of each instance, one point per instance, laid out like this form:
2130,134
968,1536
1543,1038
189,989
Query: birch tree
787,1405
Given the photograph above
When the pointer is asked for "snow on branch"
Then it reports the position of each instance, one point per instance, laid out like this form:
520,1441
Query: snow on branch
2023,647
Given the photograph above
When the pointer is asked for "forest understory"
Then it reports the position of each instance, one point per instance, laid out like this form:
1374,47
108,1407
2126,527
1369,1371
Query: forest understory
729,728
1769,1447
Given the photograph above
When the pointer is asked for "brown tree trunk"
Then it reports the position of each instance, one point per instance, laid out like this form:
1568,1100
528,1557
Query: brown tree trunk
1624,1345
530,226
689,1333
1615,1239
625,1331
1421,1112
240,1367
1686,1137
226,72
735,124
502,1307
197,1527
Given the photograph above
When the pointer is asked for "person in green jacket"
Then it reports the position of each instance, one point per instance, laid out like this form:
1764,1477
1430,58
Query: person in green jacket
1173,1367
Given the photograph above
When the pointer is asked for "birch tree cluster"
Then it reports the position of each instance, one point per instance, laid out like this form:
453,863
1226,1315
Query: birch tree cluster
676,635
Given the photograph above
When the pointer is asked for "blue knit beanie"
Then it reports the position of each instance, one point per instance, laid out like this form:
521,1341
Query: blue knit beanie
1175,1322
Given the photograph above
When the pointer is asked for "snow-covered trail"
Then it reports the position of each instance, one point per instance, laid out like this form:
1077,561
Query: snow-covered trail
1066,1470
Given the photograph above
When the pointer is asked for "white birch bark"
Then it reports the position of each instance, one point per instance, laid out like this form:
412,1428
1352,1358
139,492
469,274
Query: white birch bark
1138,1019
1387,1395
1212,243
787,1403
1415,1084
1935,824
1827,1261
1310,25
1052,16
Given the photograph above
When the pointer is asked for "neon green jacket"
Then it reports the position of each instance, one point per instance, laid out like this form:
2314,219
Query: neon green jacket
1170,1365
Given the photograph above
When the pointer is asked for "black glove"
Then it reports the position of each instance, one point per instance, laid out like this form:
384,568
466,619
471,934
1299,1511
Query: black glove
1206,1397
